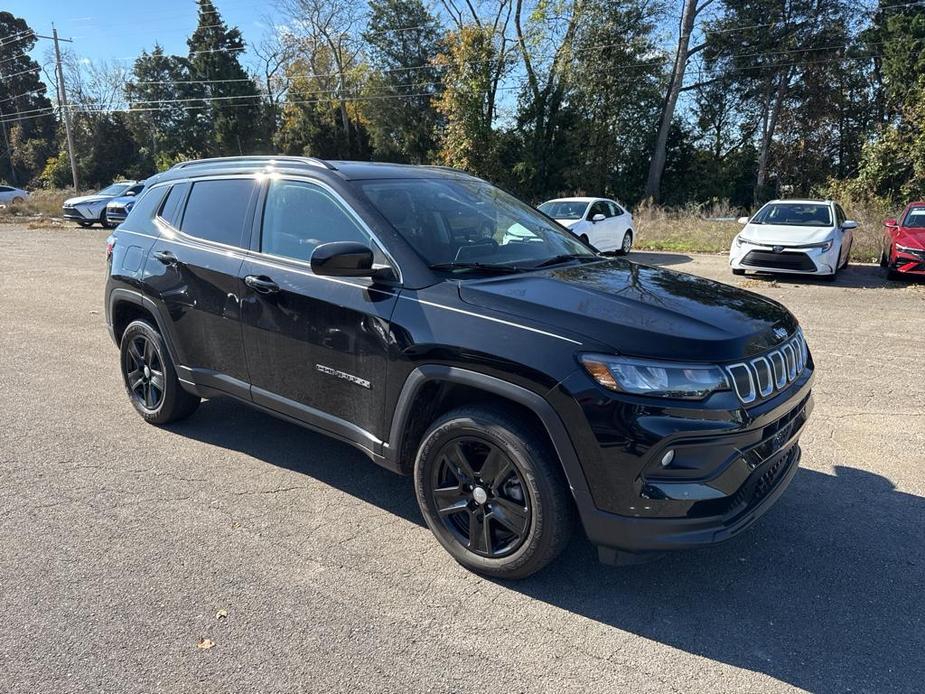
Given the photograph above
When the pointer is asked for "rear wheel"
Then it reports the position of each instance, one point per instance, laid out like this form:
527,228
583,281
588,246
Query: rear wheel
493,492
150,377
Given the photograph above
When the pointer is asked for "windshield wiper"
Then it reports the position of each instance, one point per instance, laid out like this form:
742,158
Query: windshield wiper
482,267
565,257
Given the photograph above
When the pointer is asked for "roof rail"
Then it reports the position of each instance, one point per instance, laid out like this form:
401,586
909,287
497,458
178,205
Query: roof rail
256,159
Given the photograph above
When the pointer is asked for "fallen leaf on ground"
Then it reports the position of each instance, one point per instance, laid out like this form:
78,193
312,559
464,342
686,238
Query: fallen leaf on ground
205,644
221,614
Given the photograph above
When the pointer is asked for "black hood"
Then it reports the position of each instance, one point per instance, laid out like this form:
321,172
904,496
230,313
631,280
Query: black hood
640,310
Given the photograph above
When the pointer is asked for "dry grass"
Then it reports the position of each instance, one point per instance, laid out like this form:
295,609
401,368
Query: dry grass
711,230
40,204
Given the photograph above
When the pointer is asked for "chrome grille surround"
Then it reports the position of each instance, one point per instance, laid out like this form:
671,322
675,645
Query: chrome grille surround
771,372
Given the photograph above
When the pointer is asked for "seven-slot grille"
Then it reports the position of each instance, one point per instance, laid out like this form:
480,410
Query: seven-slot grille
763,376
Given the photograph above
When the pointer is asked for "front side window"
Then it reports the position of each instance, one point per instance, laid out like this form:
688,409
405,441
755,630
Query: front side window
802,214
300,216
467,224
216,210
135,189
915,217
599,207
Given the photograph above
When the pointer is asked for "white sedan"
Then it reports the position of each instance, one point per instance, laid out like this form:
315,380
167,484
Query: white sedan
10,195
603,223
811,237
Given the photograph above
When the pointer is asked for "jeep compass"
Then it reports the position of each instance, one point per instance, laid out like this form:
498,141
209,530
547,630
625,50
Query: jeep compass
453,333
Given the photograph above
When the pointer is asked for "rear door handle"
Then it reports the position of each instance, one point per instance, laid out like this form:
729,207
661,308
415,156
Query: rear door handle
261,284
166,257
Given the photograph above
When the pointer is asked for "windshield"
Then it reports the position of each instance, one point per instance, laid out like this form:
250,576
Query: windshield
564,209
114,189
801,214
915,218
462,224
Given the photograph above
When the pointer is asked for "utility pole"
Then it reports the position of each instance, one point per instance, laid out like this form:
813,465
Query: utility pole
62,100
62,106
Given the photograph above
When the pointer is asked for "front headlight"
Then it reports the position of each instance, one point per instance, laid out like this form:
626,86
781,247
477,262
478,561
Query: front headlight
129,206
908,249
741,241
653,377
827,246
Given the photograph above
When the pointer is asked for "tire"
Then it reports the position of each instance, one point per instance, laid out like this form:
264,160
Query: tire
584,239
893,276
738,272
146,364
85,225
18,201
104,222
884,258
525,485
627,243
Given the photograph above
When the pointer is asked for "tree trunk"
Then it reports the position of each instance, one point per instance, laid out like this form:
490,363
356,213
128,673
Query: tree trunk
767,137
657,164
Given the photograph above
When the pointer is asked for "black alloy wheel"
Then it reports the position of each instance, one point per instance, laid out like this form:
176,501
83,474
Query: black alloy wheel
492,490
481,497
144,373
150,377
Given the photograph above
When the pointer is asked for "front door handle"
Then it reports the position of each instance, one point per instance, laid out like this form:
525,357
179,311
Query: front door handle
261,284
166,257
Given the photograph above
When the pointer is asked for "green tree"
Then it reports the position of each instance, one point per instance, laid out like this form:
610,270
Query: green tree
403,39
26,117
225,118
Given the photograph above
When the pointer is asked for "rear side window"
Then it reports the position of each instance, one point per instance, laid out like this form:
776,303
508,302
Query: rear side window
147,203
170,212
300,216
215,210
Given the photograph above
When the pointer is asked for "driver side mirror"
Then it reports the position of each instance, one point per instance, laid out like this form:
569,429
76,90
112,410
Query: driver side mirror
891,222
743,220
598,218
849,224
343,259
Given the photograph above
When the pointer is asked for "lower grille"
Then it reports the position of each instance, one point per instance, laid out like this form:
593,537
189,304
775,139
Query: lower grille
786,260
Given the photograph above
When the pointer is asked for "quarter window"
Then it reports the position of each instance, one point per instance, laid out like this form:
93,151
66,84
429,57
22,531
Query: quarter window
599,207
215,210
170,211
300,216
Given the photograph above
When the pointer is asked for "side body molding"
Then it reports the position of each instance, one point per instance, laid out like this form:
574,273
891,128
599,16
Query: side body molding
534,402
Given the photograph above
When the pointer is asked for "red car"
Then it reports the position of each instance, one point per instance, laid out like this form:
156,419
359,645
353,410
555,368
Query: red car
904,243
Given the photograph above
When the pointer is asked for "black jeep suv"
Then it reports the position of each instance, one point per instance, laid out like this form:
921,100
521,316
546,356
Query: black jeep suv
451,332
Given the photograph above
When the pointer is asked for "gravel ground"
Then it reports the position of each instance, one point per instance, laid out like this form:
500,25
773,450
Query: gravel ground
122,546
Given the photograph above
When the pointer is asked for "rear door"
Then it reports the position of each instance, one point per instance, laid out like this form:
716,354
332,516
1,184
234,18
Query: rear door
317,347
194,269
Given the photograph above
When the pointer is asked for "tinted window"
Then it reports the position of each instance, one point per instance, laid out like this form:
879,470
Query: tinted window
5,189
598,208
171,208
136,189
215,210
299,216
147,203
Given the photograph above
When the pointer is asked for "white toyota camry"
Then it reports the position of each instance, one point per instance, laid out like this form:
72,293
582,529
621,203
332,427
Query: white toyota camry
605,224
811,237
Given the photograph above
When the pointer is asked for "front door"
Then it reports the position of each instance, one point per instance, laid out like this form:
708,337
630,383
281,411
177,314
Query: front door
317,347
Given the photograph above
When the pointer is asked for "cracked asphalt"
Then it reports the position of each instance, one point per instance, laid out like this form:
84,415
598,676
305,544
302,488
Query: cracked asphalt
121,542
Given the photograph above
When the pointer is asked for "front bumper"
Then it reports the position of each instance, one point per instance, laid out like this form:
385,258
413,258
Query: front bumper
80,214
908,262
116,215
732,465
788,260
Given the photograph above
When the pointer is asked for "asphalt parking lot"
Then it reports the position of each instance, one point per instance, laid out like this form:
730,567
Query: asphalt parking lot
122,546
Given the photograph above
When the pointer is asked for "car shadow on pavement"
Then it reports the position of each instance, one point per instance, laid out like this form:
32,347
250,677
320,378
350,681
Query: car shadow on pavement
659,259
235,426
826,592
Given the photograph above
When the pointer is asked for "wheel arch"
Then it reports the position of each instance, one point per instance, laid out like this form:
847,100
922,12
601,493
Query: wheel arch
125,306
432,389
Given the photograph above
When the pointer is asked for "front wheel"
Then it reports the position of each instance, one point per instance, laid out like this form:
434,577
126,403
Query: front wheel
150,377
492,492
627,243
85,225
